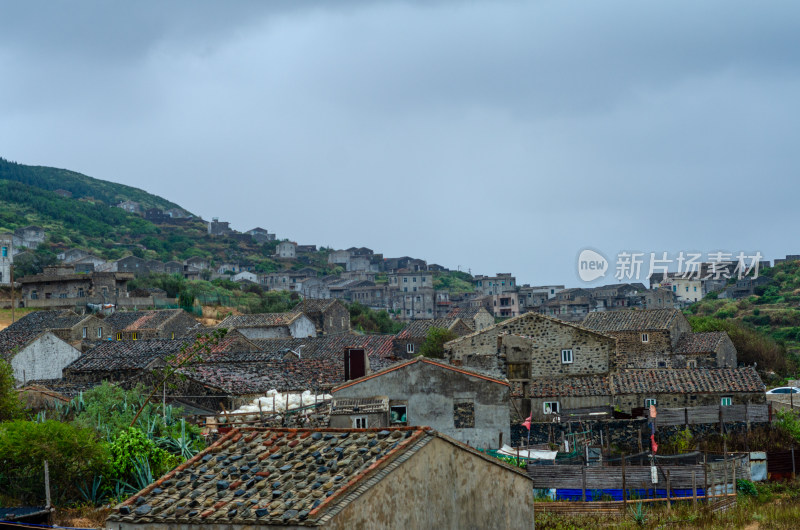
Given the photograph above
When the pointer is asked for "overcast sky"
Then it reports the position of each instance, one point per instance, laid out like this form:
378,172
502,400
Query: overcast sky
494,136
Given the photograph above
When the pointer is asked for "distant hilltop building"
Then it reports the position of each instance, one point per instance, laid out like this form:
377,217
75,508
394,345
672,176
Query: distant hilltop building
218,228
6,258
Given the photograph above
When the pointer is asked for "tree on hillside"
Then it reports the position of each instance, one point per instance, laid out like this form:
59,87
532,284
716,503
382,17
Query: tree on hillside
10,404
434,342
752,347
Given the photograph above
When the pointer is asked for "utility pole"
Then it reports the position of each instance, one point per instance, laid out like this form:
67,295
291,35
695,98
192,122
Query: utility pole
12,293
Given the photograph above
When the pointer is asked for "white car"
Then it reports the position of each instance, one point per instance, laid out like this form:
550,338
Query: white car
784,390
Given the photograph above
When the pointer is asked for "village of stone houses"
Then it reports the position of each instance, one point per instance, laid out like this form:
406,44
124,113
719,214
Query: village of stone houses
505,405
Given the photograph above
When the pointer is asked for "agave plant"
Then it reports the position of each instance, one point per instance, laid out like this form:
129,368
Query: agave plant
142,474
92,493
181,445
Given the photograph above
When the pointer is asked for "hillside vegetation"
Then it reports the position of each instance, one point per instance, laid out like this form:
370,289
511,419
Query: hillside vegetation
766,325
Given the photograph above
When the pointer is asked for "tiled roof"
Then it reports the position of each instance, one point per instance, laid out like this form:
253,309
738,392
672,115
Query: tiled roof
287,477
45,320
259,320
139,320
377,347
269,477
139,354
696,380
630,320
11,340
566,387
700,342
464,313
693,381
401,365
126,355
259,377
420,328
69,389
315,305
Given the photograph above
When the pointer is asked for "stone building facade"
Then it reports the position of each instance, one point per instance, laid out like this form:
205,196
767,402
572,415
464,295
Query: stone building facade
36,356
6,258
469,406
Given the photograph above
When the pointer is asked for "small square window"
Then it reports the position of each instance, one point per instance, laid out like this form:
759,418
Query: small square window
649,402
464,414
85,333
726,401
359,422
645,337
551,407
410,347
398,415
99,333
566,356
691,364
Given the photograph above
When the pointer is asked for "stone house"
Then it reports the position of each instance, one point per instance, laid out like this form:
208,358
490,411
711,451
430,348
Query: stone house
392,478
329,316
198,263
35,355
660,299
306,249
29,237
506,304
502,282
312,288
477,318
534,345
705,350
408,341
91,262
469,406
340,257
414,305
153,324
137,266
370,294
649,339
71,255
6,258
405,263
286,250
636,389
271,325
130,206
260,235
64,324
218,228
570,304
245,276
64,283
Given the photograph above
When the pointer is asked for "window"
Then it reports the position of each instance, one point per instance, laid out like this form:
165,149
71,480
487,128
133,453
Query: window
464,414
85,332
405,280
405,289
727,401
5,252
134,335
99,333
173,335
649,402
119,336
410,347
645,337
691,364
359,422
398,414
566,356
550,407
423,279
415,279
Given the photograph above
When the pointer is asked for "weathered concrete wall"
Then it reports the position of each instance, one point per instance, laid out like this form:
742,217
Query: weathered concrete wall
433,393
446,488
303,327
277,332
43,359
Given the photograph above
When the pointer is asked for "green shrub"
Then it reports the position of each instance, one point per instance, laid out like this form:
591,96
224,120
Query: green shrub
132,446
10,404
73,454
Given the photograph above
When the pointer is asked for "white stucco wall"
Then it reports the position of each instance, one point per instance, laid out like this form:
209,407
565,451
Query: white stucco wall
303,327
44,358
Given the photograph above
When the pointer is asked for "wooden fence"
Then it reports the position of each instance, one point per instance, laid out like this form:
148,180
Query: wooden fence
714,478
748,413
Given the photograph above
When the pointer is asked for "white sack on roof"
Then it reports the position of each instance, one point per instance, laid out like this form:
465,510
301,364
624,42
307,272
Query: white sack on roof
533,454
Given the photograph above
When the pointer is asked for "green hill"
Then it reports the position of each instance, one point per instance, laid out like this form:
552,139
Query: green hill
81,186
773,312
